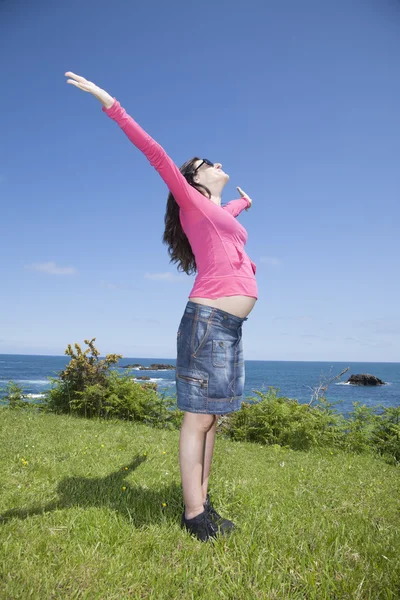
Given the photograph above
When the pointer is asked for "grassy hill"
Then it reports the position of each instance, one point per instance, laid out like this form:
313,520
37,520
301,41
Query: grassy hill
91,509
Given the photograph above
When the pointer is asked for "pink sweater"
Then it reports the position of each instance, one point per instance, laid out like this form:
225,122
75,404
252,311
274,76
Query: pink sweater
216,238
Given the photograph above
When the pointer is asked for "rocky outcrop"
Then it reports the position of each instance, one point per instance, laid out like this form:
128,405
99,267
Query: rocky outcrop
365,379
143,377
152,367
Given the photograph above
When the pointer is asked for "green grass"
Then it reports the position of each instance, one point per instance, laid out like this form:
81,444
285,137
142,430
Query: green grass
312,525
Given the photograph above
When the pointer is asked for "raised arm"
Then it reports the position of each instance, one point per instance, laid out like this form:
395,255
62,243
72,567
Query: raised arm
183,193
186,196
235,207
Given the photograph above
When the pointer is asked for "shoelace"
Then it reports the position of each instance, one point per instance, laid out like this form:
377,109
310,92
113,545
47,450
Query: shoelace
213,513
211,510
209,526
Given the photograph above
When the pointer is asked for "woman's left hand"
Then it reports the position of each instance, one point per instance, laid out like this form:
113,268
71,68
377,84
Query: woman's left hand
88,86
243,195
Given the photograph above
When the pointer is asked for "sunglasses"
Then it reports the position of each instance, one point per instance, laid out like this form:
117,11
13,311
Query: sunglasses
204,161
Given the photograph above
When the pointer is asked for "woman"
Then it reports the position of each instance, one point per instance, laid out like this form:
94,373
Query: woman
202,236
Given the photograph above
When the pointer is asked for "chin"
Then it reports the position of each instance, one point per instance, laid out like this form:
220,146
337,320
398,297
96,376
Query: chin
226,177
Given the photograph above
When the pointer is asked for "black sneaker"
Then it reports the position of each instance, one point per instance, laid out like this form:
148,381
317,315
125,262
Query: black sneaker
200,526
224,525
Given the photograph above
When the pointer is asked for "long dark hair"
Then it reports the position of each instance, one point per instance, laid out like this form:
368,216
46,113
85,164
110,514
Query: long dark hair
179,248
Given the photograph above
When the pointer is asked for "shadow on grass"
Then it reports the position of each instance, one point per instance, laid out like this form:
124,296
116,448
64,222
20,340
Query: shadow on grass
139,505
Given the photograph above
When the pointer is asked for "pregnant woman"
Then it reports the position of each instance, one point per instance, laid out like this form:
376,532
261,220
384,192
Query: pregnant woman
203,237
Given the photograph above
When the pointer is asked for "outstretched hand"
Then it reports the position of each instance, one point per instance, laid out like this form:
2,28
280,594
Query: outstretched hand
244,195
88,86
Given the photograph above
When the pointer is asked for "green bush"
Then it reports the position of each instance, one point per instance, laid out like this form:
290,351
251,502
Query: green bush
15,396
122,398
89,387
85,369
285,422
278,420
386,435
360,428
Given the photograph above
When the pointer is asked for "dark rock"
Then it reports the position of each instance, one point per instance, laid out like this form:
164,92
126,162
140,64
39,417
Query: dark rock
365,379
143,377
152,367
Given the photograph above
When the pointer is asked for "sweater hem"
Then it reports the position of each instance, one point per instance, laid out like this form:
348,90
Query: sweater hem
225,285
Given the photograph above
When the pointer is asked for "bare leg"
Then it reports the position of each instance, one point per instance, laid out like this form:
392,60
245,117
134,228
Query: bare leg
208,454
192,446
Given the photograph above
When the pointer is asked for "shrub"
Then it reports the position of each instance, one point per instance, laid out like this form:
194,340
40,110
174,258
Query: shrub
278,420
89,388
360,426
386,435
15,396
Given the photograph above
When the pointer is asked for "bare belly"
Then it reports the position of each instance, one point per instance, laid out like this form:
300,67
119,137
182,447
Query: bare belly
240,306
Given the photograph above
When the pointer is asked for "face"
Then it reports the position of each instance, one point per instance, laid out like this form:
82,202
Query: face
212,177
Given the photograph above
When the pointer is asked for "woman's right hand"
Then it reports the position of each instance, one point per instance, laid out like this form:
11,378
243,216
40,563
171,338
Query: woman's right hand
89,86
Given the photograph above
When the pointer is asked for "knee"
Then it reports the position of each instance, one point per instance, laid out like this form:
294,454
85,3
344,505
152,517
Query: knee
200,421
208,422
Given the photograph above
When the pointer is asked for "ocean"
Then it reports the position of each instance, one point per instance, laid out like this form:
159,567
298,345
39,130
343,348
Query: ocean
292,379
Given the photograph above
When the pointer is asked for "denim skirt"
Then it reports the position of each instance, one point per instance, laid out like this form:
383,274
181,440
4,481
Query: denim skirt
210,371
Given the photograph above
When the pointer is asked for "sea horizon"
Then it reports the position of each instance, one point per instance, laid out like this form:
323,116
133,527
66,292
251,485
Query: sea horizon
291,379
364,362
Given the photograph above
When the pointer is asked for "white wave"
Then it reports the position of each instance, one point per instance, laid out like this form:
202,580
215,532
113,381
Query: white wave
41,381
355,385
145,380
143,369
151,379
168,382
34,395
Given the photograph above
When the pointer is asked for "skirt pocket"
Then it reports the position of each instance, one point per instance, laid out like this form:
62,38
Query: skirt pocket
191,389
219,348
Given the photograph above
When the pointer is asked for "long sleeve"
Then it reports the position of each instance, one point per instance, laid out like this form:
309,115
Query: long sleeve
235,207
185,195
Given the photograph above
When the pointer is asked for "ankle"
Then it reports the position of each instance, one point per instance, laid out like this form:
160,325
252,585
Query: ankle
193,512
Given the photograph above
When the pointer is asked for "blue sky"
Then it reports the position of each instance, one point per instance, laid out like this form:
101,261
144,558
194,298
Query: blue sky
300,103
